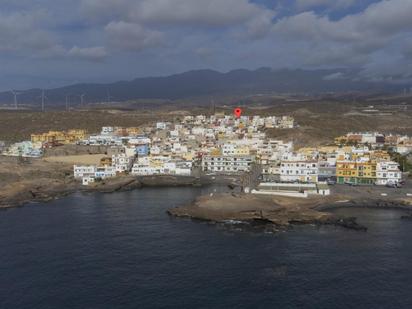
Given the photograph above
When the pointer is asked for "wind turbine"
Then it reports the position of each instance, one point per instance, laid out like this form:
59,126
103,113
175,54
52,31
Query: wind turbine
67,102
109,96
82,99
15,94
43,98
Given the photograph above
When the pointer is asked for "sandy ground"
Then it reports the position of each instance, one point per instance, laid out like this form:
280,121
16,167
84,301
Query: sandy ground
35,179
77,159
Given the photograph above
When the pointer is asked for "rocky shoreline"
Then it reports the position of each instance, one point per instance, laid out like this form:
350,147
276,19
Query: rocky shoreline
39,181
47,190
273,214
368,203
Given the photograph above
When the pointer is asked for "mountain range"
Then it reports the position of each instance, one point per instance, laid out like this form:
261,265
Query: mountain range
201,83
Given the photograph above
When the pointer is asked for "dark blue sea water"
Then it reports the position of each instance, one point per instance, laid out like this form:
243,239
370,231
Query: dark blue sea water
123,251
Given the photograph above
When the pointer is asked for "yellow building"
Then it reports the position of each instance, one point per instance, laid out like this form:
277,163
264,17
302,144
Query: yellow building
356,172
242,151
189,156
381,154
215,152
341,140
106,161
307,151
133,131
61,137
328,149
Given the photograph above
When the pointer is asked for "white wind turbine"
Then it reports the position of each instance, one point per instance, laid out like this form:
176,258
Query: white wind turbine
82,99
43,98
67,102
15,94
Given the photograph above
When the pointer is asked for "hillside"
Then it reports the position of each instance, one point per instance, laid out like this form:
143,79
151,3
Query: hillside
202,83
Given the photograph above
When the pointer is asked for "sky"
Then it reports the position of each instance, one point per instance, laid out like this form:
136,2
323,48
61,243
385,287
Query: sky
51,43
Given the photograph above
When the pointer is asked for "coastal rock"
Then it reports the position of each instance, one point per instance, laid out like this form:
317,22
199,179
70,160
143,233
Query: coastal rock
168,181
114,185
259,212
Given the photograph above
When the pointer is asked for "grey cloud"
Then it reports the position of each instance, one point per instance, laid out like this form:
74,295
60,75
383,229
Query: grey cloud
407,52
334,76
352,39
97,53
306,4
198,12
190,13
385,17
130,36
260,26
105,10
23,31
205,52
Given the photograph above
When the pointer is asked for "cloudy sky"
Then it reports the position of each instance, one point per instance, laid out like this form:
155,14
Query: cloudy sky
49,43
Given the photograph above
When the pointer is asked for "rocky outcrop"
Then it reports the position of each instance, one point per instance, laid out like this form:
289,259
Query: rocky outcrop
168,181
114,185
258,213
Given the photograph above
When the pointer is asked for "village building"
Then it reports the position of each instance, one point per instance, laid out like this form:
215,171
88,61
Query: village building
223,164
26,149
302,190
59,137
296,167
81,171
122,163
388,172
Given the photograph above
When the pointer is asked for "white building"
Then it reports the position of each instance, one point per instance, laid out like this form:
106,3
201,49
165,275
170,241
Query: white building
107,131
122,162
88,180
292,189
297,168
388,172
179,168
103,139
104,172
404,149
143,170
228,149
226,164
161,126
81,171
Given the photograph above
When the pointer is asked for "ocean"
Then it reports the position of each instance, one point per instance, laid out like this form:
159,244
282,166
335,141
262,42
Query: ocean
123,251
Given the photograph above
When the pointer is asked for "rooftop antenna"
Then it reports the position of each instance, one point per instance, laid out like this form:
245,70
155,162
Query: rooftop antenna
15,94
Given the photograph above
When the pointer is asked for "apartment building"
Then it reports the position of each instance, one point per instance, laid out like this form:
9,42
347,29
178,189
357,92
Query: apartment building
223,164
299,171
387,172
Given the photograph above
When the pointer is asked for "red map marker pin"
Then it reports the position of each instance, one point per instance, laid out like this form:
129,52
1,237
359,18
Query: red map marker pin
238,112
